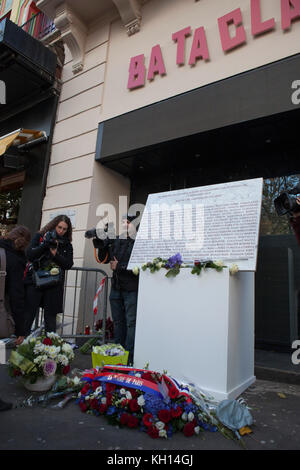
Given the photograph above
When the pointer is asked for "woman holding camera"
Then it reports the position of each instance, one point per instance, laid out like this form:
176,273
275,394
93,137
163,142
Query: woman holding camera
50,248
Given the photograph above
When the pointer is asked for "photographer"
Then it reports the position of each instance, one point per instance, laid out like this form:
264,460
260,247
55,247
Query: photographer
51,246
124,289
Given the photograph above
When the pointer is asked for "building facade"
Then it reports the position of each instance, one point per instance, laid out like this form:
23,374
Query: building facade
169,94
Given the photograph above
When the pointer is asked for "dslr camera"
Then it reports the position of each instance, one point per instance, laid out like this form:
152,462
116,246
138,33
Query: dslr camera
286,203
51,239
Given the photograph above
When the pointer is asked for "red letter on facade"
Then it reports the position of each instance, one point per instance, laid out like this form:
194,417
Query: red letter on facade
199,47
179,37
289,14
227,41
156,63
137,72
257,26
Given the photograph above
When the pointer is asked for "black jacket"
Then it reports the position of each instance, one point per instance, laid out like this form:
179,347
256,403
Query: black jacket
40,251
121,249
14,285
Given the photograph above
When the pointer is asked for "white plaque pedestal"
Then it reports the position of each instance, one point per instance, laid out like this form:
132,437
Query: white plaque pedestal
199,329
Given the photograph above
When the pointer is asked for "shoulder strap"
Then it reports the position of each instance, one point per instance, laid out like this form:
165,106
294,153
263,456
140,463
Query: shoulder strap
2,273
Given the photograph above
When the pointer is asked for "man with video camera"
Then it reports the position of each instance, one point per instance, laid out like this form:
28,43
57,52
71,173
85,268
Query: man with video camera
289,203
124,288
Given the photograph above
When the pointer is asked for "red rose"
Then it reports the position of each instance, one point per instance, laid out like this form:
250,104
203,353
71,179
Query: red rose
124,403
95,384
108,399
124,418
173,392
17,372
153,432
85,389
176,412
47,342
83,406
110,387
148,376
132,421
66,370
133,405
164,416
147,419
197,263
102,408
189,429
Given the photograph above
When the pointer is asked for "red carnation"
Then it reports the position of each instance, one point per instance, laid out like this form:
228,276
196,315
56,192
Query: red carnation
147,419
189,429
95,384
102,408
94,404
164,415
124,418
133,405
83,406
176,412
85,389
47,341
66,370
132,421
153,432
173,392
110,387
148,376
108,399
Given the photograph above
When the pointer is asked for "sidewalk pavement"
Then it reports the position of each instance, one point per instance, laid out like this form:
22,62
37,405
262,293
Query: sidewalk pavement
274,401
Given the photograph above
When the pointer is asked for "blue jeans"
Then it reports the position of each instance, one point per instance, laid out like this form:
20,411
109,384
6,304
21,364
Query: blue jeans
123,309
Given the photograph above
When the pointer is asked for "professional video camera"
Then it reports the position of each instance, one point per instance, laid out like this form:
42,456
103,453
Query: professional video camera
286,203
101,234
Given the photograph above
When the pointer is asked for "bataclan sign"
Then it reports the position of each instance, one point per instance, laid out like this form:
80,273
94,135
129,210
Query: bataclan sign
290,11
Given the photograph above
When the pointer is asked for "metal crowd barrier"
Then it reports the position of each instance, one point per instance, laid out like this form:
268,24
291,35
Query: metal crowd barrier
80,288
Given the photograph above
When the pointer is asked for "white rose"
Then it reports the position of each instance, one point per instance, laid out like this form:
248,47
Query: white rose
190,416
128,395
123,391
233,269
160,425
184,416
219,263
136,270
67,348
159,265
141,400
103,400
197,429
163,433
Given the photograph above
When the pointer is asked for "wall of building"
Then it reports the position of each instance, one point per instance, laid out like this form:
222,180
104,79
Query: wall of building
160,19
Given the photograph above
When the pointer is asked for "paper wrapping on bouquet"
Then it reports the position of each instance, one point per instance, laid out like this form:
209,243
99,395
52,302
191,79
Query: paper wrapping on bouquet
19,361
100,359
118,376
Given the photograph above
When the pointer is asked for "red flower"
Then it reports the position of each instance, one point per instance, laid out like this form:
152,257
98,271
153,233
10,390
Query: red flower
148,376
132,421
133,405
83,406
176,412
164,415
102,408
17,372
108,399
47,342
95,384
110,387
173,392
124,403
124,418
153,432
66,370
147,419
94,404
85,389
189,429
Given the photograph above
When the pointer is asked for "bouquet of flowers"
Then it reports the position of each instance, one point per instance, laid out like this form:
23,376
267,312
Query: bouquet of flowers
41,356
152,402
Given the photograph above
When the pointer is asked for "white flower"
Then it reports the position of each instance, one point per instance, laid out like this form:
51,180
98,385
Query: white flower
123,391
63,359
53,351
184,416
136,270
53,335
191,416
159,265
128,395
219,263
141,400
98,390
138,374
163,433
103,400
197,429
233,269
160,425
66,348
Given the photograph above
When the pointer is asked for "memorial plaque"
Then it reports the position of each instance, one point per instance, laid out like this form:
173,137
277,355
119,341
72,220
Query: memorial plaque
216,222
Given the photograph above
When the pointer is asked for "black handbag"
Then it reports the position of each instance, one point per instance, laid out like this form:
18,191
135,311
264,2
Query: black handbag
43,279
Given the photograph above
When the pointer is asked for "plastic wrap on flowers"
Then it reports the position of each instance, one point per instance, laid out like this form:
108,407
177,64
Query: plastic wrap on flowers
146,400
